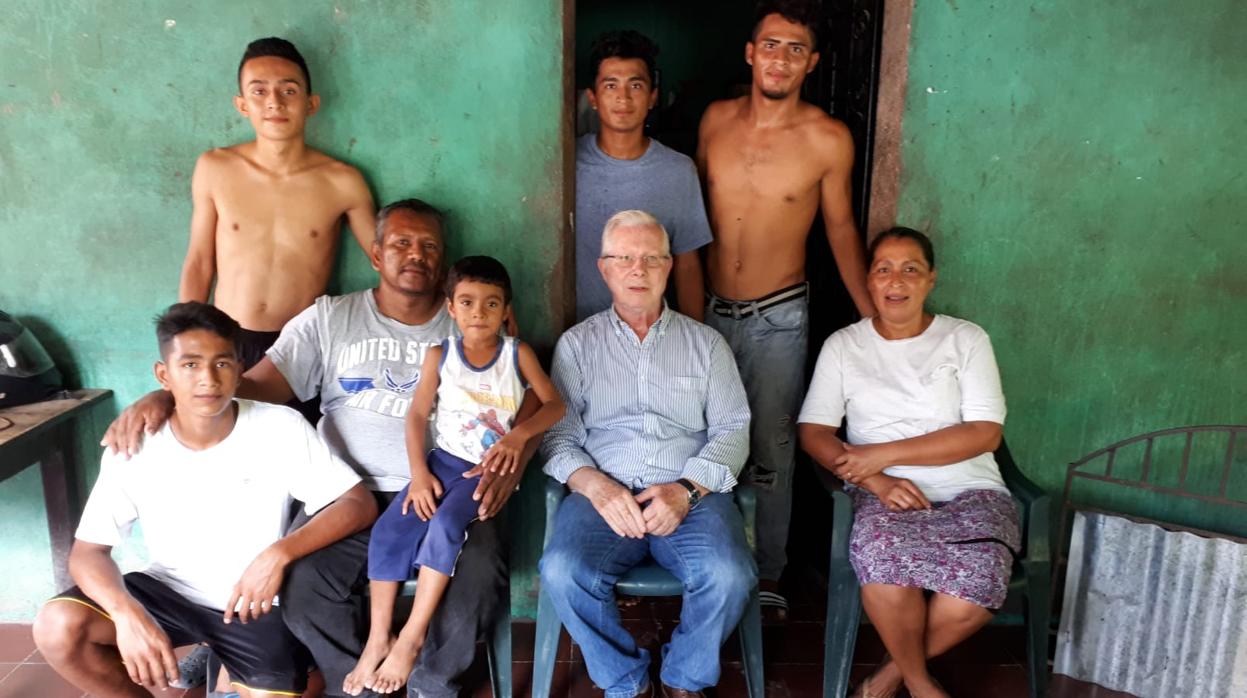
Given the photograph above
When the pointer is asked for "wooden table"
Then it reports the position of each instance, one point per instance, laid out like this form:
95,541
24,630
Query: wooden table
43,433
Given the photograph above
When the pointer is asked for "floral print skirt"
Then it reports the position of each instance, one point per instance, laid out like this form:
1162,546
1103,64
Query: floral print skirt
963,547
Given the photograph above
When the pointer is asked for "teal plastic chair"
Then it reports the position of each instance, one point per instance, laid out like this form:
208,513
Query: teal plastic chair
649,580
1031,580
497,646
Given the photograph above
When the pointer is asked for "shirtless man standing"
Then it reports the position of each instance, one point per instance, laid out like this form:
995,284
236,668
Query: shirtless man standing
267,213
769,161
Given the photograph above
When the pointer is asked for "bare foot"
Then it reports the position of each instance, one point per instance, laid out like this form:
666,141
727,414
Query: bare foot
361,676
931,689
884,683
393,672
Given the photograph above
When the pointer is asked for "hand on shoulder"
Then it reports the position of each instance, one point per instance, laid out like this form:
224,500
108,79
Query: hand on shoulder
148,414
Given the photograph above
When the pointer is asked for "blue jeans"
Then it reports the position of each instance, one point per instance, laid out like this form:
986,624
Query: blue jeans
707,553
770,347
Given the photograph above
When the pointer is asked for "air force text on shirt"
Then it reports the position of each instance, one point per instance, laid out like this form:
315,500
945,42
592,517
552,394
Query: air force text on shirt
390,392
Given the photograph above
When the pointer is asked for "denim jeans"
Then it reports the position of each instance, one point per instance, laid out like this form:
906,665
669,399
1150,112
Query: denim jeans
707,553
770,347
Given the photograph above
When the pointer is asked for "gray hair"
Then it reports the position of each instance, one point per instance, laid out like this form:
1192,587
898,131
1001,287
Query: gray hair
635,219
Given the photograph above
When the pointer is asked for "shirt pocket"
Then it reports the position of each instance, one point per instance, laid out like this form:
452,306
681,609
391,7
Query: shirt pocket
943,387
679,405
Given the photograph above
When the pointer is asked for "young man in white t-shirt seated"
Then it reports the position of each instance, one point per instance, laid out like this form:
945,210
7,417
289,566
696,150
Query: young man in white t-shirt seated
214,574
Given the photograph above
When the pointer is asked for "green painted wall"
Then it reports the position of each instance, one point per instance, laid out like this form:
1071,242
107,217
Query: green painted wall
1080,168
104,108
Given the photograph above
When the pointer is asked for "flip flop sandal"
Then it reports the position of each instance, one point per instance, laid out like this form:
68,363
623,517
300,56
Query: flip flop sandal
775,603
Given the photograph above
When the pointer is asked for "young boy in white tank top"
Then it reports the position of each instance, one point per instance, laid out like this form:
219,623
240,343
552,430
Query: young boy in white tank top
479,381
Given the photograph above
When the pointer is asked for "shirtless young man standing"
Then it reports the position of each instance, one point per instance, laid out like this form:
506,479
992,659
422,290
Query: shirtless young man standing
267,213
769,161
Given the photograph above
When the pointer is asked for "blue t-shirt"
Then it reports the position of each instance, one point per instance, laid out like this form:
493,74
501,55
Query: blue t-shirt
662,182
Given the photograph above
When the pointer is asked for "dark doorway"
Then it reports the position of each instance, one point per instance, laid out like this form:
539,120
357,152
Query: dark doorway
702,60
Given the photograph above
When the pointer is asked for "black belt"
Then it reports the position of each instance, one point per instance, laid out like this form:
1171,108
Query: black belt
743,309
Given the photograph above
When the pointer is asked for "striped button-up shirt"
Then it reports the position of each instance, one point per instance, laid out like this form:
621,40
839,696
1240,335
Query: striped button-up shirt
648,412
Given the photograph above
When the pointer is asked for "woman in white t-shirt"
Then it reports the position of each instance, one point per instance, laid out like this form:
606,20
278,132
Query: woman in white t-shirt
922,397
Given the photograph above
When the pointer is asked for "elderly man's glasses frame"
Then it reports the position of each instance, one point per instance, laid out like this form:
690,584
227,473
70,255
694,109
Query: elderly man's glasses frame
625,261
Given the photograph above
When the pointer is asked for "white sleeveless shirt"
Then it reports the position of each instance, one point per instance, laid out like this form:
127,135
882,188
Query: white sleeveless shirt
476,406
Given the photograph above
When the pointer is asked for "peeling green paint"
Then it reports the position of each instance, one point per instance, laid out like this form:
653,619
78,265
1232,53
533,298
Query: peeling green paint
1079,167
104,108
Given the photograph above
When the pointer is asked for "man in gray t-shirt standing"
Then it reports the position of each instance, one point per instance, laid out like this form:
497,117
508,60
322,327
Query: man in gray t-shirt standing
619,168
362,354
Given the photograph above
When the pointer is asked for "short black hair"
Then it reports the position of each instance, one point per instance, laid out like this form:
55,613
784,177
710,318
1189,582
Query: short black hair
804,12
279,48
902,233
417,206
481,269
625,43
193,315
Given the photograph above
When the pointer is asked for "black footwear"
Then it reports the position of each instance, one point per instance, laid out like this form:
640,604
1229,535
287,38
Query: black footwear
774,607
669,692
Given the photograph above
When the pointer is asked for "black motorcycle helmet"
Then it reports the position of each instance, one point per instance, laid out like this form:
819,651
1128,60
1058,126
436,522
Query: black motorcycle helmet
27,373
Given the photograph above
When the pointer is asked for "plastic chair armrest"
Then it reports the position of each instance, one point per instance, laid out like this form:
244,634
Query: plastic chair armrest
747,502
841,528
1021,486
1038,530
1024,488
555,492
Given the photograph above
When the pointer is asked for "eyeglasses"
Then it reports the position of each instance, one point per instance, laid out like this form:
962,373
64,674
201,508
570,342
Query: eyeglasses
625,261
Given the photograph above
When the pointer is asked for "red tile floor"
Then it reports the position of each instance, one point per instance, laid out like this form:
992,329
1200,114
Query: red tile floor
991,664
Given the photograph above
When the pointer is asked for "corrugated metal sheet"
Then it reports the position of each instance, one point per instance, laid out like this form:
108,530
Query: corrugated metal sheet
1153,612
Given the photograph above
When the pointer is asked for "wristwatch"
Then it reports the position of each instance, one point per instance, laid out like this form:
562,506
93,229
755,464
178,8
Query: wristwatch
694,495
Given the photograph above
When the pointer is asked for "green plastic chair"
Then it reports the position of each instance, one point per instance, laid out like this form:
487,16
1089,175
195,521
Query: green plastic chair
649,580
1031,579
497,647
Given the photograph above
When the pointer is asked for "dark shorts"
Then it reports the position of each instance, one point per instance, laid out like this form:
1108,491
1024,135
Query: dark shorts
261,655
252,346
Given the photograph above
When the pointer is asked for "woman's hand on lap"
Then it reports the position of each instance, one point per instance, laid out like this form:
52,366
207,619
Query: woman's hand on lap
859,463
904,495
896,493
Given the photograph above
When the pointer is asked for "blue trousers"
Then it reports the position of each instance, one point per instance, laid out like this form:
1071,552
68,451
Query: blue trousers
707,553
400,545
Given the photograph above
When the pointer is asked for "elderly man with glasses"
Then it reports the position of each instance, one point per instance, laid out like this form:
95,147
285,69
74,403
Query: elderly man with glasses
656,430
